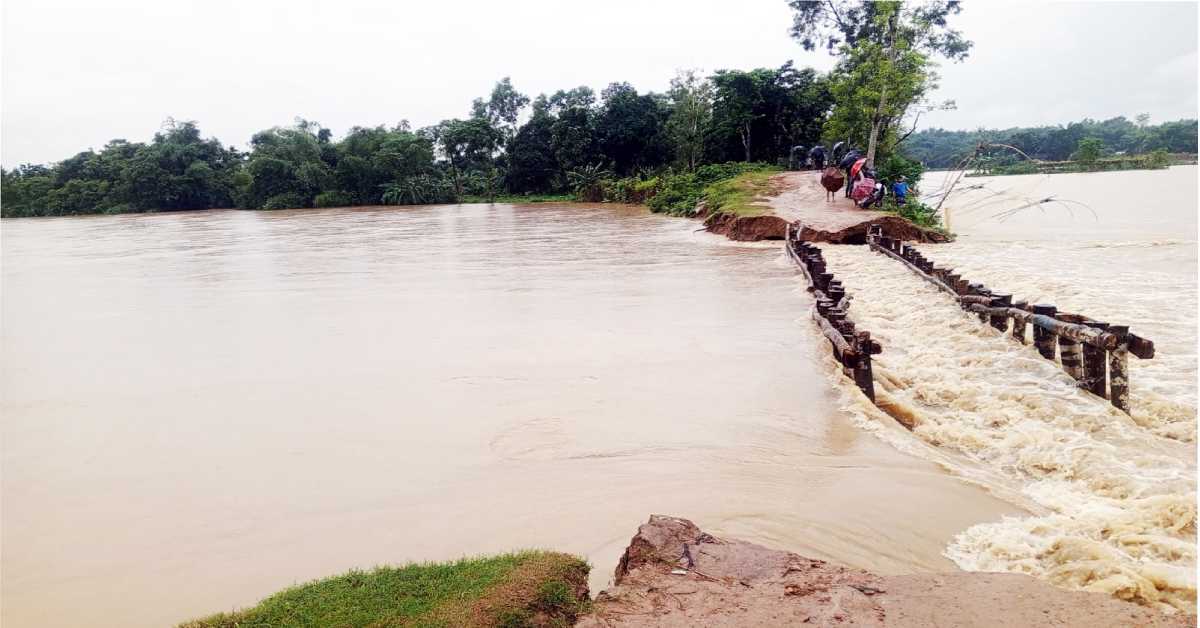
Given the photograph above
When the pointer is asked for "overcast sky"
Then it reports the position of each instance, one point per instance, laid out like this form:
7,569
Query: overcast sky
77,73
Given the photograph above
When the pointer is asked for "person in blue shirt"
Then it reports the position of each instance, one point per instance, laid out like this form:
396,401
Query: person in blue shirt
900,190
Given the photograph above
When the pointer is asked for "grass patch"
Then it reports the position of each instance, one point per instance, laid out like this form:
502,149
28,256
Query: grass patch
738,195
518,590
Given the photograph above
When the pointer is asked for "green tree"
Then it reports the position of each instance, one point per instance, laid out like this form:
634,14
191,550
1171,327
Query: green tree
573,133
631,127
502,108
369,158
691,115
884,46
532,165
1089,150
738,103
286,167
467,146
758,115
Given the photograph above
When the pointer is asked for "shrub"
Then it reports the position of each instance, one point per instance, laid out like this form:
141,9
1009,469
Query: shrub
1158,159
915,211
287,200
678,194
896,166
333,198
711,173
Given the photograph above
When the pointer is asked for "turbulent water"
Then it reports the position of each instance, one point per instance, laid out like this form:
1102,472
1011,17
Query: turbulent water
1112,498
202,408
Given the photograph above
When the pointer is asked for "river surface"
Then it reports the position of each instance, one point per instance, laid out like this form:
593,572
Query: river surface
202,408
1111,498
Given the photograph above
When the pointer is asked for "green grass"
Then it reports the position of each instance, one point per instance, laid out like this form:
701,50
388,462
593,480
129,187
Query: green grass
517,199
738,195
512,590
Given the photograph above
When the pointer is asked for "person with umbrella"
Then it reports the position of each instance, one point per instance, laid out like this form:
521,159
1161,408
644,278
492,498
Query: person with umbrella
816,155
847,162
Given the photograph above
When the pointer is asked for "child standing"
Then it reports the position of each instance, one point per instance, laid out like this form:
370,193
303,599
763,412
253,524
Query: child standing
900,190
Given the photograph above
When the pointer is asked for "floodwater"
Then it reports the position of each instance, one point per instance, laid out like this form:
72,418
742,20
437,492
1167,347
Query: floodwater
202,408
1111,497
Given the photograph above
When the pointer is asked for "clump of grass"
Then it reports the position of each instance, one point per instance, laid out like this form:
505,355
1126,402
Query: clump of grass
516,590
740,195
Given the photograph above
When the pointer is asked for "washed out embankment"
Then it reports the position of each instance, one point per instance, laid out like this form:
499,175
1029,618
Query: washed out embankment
800,198
674,574
1112,504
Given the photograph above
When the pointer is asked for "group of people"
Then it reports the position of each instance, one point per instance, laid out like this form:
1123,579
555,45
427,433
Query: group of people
862,183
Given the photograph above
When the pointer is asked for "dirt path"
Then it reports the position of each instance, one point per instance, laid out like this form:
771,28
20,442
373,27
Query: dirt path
803,199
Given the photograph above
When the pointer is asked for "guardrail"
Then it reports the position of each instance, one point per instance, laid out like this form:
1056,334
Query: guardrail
1094,353
852,347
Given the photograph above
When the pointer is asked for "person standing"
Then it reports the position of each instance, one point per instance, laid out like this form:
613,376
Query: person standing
900,190
846,164
816,155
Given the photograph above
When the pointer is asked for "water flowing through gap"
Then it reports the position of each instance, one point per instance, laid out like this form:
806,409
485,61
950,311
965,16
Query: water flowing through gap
203,408
1111,497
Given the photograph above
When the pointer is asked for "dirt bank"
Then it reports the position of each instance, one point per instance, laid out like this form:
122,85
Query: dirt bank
801,198
673,574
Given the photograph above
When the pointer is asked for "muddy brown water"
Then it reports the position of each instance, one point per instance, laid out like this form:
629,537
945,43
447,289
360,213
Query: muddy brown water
202,408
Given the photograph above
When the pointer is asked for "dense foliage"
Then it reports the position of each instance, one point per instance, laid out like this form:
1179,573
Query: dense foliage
177,170
569,142
939,148
885,71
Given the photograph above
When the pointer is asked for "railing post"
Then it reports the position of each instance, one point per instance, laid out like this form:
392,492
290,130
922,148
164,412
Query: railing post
1094,365
1118,370
1071,356
863,375
997,321
1043,339
1018,328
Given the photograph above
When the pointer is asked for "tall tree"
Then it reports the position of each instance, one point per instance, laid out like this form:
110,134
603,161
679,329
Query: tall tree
502,108
630,128
739,98
467,145
884,46
286,167
691,114
531,163
760,114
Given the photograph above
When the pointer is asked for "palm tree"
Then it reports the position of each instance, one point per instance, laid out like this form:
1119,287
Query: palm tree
587,182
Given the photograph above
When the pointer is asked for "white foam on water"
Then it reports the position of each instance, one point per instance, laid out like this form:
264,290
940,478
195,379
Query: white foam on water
1111,498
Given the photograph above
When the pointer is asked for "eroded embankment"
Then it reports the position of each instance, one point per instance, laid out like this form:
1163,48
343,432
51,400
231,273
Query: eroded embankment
673,574
797,197
1112,503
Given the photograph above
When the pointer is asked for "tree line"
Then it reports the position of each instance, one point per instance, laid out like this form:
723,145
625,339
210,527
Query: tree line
940,148
732,115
